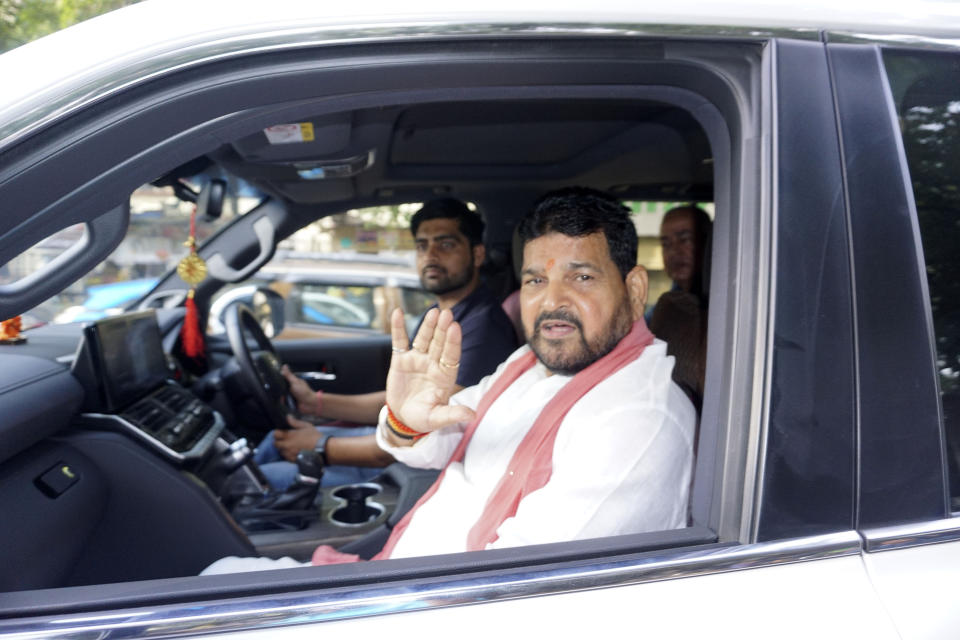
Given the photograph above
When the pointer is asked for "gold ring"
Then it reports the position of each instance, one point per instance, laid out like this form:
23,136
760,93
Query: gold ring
449,365
396,350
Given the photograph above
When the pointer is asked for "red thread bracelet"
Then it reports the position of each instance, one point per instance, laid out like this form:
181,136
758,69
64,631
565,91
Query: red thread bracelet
401,430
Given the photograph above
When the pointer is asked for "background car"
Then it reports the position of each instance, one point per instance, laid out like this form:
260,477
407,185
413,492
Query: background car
821,502
106,299
327,296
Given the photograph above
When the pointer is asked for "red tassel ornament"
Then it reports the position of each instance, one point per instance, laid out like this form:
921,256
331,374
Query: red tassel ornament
190,334
192,270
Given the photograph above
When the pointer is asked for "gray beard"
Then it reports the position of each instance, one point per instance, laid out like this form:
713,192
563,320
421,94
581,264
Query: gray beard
587,354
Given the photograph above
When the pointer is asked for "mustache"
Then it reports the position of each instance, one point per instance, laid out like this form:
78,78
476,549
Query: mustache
560,314
432,266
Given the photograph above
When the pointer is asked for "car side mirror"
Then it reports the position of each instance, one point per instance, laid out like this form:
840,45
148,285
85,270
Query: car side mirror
268,309
267,305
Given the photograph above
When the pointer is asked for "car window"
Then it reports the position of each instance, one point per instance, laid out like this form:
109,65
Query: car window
154,243
350,269
926,91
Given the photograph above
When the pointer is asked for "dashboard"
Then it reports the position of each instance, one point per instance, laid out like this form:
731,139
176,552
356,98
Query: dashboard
127,383
106,446
136,393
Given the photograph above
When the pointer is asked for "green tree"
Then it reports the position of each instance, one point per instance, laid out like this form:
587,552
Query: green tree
24,20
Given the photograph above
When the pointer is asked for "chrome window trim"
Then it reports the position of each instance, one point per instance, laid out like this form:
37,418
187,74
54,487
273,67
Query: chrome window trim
894,40
267,612
766,300
914,534
128,71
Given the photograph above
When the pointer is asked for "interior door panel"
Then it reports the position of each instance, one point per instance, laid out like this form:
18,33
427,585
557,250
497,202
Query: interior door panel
355,365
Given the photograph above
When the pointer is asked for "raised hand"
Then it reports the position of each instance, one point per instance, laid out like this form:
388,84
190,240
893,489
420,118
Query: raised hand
422,378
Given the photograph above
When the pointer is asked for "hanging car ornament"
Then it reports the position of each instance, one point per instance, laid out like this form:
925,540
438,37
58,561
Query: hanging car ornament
10,331
192,269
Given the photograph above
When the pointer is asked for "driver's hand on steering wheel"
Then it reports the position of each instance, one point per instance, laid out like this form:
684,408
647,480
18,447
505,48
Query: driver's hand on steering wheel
301,435
305,396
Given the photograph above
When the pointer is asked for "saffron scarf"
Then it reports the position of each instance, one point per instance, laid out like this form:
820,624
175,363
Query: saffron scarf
532,462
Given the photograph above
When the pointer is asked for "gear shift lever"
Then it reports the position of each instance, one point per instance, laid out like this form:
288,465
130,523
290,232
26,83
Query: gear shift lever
293,508
302,493
309,467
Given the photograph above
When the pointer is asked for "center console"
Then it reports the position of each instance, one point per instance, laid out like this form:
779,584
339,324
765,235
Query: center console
128,388
122,363
170,420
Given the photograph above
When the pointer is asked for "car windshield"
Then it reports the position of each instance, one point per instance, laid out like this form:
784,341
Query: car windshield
159,226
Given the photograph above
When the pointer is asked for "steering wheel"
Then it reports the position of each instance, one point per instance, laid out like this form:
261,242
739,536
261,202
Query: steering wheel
260,369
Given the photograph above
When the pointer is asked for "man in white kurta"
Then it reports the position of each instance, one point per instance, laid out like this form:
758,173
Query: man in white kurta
588,438
621,461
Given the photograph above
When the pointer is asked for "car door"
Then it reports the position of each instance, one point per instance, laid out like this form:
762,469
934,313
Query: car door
897,107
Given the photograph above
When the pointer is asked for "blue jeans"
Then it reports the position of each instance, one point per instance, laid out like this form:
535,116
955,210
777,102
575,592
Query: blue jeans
282,474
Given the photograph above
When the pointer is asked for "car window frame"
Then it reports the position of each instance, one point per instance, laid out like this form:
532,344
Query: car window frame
737,225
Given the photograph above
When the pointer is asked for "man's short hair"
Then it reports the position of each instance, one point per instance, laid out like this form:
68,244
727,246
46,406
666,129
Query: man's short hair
469,222
579,211
701,219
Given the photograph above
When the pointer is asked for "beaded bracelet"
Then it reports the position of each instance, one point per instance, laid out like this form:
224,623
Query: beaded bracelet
401,430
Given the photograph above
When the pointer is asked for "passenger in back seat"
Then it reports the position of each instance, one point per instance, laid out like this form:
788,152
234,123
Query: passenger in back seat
680,315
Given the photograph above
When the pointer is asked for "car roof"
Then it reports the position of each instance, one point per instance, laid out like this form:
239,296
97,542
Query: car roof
81,64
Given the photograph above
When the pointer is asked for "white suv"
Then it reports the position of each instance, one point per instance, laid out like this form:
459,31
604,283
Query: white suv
826,137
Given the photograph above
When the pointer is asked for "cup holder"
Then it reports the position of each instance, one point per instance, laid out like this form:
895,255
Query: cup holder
355,507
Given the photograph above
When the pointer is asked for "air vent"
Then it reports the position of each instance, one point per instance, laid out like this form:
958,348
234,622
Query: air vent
148,415
172,399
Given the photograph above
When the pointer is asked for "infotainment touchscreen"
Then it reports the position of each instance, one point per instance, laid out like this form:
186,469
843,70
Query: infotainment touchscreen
129,355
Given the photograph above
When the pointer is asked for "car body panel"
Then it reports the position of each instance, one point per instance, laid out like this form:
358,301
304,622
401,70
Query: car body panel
916,586
838,590
53,86
782,574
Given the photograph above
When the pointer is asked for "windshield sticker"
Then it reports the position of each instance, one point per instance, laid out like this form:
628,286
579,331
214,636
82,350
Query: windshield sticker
290,133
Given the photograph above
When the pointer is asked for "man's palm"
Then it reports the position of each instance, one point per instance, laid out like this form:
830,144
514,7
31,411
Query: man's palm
422,379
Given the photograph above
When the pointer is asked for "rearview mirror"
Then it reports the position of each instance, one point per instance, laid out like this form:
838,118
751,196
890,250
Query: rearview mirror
210,200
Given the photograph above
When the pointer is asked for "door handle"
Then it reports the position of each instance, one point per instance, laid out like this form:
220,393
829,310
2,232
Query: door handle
320,376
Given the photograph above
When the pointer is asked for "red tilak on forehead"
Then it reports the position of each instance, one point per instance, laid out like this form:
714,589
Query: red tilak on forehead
550,263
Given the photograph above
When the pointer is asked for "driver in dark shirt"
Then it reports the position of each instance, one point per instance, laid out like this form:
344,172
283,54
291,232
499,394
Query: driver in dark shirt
449,245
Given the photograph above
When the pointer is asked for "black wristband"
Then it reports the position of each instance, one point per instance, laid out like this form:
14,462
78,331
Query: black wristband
321,448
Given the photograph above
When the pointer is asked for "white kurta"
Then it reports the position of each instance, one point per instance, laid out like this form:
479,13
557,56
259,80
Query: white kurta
621,461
